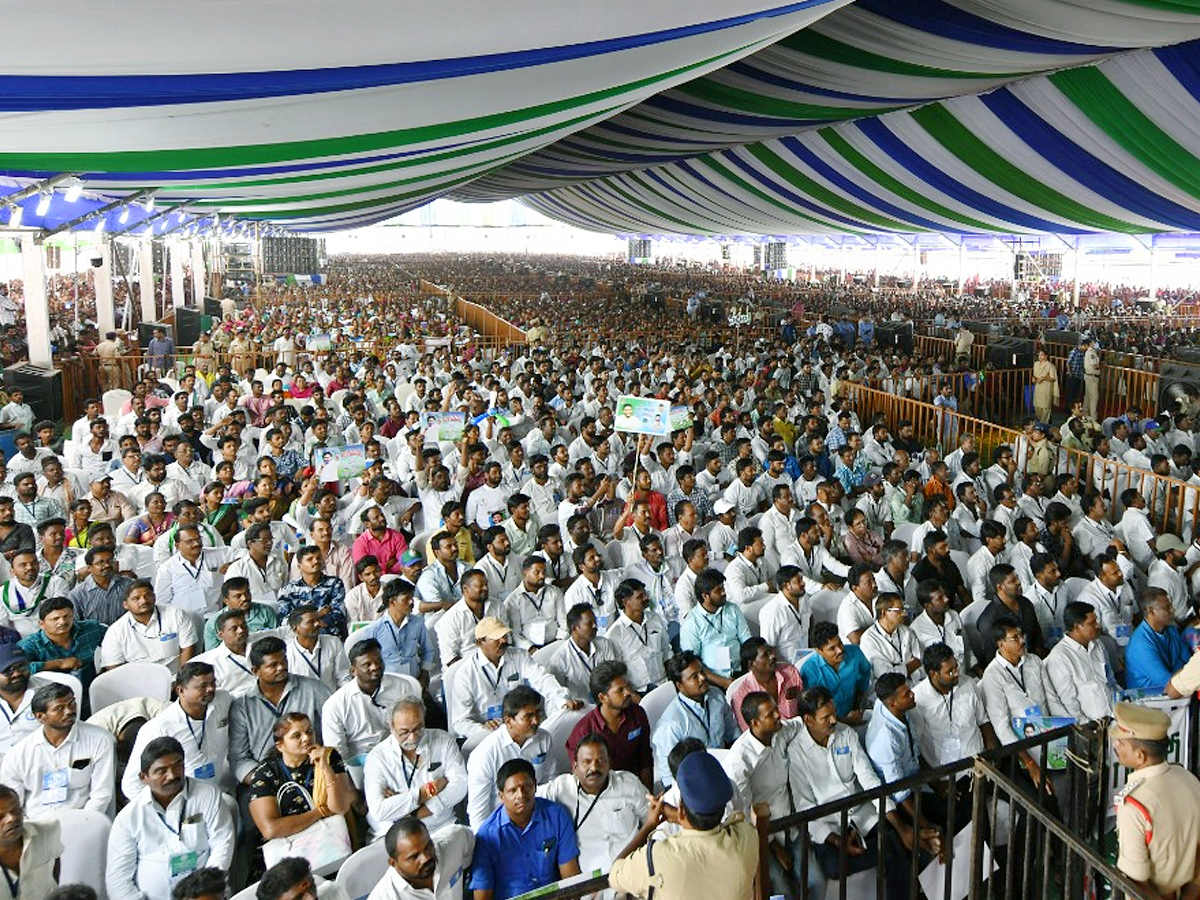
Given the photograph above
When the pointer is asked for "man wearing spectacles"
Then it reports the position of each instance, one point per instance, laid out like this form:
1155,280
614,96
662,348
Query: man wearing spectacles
1013,687
414,771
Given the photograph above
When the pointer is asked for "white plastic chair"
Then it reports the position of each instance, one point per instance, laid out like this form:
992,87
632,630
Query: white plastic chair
135,679
63,678
904,532
751,611
560,726
1072,587
448,677
960,559
85,848
362,870
542,657
655,703
402,393
825,605
113,401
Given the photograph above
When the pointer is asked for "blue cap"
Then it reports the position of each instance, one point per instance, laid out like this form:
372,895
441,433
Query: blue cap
10,653
703,785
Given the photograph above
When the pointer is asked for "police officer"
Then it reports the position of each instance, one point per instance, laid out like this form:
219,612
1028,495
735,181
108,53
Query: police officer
1158,812
710,857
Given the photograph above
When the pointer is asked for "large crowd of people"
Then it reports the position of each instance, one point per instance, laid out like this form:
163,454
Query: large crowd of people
453,600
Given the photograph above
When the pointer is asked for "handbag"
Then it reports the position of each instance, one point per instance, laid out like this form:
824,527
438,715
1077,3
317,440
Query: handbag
324,843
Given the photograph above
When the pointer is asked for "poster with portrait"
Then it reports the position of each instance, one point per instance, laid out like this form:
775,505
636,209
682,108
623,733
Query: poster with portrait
1056,750
443,426
643,415
339,463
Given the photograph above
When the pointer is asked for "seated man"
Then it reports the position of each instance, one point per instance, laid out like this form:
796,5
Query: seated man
842,669
317,655
65,764
527,842
420,865
64,643
33,850
314,588
407,649
577,657
606,805
1077,678
149,632
518,737
24,592
620,722
699,710
235,594
475,701
175,825
1156,649
414,771
228,658
354,720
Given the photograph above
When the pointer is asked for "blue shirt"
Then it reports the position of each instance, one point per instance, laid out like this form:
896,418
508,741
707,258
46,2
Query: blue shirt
891,745
1152,658
510,861
846,683
328,591
404,648
706,633
712,722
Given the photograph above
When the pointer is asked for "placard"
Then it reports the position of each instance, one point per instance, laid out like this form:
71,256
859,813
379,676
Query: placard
681,417
1055,758
643,415
339,463
319,342
443,426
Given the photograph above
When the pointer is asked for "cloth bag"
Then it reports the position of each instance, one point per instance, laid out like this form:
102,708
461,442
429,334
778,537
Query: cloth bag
324,843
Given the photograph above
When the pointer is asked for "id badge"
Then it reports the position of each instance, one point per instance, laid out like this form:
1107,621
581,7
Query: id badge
1033,712
208,770
536,631
602,623
1122,635
54,786
493,712
182,864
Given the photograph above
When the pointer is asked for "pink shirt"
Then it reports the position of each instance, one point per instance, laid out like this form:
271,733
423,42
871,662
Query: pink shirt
786,678
388,551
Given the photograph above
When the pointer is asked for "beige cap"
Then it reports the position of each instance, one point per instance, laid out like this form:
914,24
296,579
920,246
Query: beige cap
1167,542
491,627
1141,722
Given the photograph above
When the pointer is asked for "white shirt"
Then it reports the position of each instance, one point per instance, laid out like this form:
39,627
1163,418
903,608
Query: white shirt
79,773
479,689
812,565
1049,606
820,775
1012,692
456,628
760,773
355,722
744,583
327,662
644,647
950,722
599,597
265,583
196,588
486,759
502,579
978,566
145,838
573,668
1092,537
205,745
455,846
159,640
1077,681
232,671
537,617
17,723
387,767
853,615
1114,610
785,627
603,823
950,633
891,652
778,532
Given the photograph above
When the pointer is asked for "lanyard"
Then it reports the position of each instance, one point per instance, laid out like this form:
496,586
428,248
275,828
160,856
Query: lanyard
182,815
192,731
644,637
4,709
316,670
396,637
187,568
578,821
948,702
1017,679
495,684
277,711
408,779
239,665
795,614
14,881
30,508
158,618
536,604
695,715
582,658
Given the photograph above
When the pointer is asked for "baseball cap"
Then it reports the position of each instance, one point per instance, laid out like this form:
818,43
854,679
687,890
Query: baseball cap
722,506
871,479
1167,542
101,476
491,627
10,651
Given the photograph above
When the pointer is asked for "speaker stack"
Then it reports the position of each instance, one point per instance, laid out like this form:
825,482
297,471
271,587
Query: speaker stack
1010,353
897,338
42,386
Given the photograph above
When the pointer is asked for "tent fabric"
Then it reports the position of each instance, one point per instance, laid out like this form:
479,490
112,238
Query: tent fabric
704,117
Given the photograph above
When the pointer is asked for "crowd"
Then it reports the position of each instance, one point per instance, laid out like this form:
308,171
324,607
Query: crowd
501,642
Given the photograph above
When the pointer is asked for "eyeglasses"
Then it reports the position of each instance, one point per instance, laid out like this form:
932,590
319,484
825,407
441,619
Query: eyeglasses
899,609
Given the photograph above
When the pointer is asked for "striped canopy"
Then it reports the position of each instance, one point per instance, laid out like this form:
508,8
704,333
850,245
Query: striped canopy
655,116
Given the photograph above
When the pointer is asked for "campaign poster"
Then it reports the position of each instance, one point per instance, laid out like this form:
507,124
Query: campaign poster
681,417
643,415
1056,750
339,463
443,426
320,342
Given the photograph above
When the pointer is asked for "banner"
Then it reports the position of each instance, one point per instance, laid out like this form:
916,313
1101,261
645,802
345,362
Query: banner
319,342
339,463
1055,759
643,415
446,426
681,417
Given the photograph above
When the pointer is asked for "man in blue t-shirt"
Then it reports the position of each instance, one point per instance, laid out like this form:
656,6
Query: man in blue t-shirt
842,669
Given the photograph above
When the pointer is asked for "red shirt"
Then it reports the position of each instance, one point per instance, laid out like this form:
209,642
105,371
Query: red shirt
628,749
388,551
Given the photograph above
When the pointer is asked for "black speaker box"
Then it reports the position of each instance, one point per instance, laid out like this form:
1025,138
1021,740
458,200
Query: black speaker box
187,326
1179,388
1055,336
898,338
1010,353
42,386
212,307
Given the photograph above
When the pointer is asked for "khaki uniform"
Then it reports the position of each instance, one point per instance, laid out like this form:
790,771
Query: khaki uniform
1158,827
714,865
242,353
110,366
1091,382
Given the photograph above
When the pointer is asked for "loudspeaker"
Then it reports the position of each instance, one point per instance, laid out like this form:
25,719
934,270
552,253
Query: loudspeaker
1179,388
146,332
1010,353
978,327
1054,336
43,389
212,307
187,326
898,338
982,291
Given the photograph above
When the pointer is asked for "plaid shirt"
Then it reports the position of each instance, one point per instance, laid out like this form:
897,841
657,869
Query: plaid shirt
1075,363
86,636
697,498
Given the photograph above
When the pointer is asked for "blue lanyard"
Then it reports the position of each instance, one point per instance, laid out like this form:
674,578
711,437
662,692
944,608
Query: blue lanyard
316,670
203,725
695,715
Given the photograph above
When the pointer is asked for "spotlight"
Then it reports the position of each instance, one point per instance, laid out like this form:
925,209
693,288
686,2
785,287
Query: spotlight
43,206
74,189
124,215
14,216
150,204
